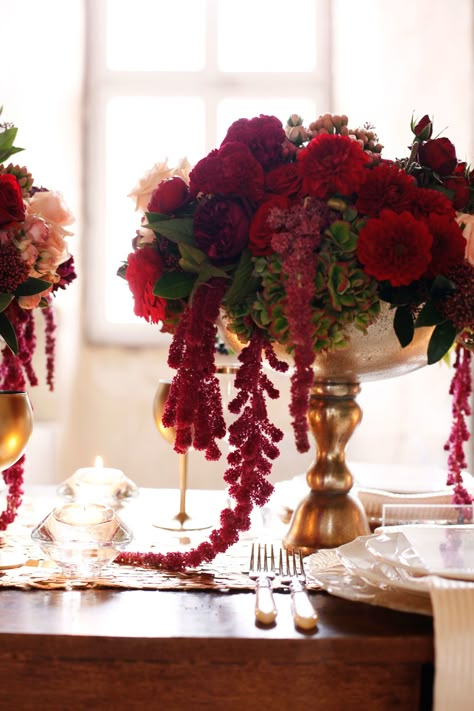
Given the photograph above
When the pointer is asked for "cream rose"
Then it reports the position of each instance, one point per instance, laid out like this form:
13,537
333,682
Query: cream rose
141,193
466,221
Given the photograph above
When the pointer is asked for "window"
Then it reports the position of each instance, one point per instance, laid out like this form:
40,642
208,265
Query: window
164,81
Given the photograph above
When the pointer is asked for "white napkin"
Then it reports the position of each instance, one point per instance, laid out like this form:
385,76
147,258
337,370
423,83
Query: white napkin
453,618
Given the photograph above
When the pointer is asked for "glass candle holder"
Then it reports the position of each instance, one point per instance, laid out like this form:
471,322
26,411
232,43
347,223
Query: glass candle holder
98,484
82,538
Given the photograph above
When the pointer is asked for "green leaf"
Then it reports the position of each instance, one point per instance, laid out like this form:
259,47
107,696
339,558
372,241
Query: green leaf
32,286
5,299
428,316
403,325
441,341
208,270
442,285
192,254
174,285
177,229
244,282
4,155
7,332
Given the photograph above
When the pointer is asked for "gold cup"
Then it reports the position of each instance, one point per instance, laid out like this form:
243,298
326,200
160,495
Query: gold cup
16,426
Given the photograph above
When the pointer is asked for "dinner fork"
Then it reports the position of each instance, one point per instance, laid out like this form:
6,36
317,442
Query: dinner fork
259,570
292,574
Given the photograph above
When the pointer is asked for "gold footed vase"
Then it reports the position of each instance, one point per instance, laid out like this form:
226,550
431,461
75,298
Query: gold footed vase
330,515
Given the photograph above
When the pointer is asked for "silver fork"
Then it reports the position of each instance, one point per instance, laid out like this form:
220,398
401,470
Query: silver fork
259,570
292,573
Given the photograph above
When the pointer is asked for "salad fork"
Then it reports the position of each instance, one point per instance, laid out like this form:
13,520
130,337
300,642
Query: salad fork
292,574
259,570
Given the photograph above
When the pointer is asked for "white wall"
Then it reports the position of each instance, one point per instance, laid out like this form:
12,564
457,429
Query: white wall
389,59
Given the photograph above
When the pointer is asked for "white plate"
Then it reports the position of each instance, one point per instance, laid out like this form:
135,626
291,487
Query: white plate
446,551
357,559
399,479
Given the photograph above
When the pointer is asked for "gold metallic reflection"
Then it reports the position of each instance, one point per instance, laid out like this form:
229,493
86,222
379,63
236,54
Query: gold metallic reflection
16,426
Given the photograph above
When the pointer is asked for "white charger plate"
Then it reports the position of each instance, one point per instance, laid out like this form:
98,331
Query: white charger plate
445,551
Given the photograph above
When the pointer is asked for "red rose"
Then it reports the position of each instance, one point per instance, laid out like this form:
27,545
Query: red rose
169,196
438,154
12,207
386,187
331,164
221,228
264,135
261,233
283,180
424,128
395,247
448,246
458,184
144,268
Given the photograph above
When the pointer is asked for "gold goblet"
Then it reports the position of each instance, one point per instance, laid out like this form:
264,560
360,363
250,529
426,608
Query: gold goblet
182,521
16,426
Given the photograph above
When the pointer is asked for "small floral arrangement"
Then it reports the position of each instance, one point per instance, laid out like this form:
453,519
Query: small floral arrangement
34,264
293,235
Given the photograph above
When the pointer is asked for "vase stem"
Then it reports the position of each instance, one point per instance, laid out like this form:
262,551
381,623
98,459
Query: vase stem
329,516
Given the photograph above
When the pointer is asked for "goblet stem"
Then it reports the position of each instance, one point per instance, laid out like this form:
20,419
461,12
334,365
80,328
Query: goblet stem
182,516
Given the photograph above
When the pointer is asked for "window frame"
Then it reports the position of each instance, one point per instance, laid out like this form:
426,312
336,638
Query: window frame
212,85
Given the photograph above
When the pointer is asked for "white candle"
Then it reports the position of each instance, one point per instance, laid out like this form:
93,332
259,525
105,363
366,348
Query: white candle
97,483
83,514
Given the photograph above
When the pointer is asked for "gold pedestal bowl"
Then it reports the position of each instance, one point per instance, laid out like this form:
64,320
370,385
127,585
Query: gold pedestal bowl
329,515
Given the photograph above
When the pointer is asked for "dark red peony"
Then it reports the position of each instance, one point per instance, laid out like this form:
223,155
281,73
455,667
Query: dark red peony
221,228
260,231
386,187
395,247
264,136
144,268
170,195
439,154
283,180
331,164
12,207
449,244
232,170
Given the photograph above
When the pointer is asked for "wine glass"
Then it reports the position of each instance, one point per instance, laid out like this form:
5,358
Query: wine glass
16,426
182,521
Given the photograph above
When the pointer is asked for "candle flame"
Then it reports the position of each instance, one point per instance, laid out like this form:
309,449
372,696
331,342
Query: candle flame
99,461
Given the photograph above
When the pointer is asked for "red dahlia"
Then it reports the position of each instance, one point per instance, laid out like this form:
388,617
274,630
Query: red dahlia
144,268
395,247
386,187
425,201
332,164
448,246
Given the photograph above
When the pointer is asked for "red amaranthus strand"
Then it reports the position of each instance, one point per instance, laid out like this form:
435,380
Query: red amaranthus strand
299,268
460,389
254,438
194,404
50,345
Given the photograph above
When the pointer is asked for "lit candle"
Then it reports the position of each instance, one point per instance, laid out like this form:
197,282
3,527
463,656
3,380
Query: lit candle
97,483
86,522
83,514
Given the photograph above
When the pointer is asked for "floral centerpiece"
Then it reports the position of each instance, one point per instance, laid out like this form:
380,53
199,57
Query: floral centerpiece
34,264
292,235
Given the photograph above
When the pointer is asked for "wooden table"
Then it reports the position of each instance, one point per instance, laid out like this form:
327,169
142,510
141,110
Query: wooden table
102,649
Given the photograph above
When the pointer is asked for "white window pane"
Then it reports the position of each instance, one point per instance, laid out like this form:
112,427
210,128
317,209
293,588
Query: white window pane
150,35
229,110
266,36
140,131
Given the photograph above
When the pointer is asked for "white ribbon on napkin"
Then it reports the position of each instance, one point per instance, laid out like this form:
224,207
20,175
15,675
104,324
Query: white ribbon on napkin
453,619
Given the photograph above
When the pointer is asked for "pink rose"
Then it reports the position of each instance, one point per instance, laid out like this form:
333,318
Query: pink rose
467,223
51,207
142,192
